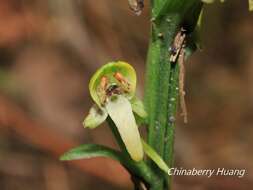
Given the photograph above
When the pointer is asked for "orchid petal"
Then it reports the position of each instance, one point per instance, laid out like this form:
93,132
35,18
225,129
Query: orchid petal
95,117
138,107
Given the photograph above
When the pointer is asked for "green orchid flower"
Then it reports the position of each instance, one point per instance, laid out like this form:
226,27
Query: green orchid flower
112,88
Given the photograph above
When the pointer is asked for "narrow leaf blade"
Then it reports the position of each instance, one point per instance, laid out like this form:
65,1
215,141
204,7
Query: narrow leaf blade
153,155
87,151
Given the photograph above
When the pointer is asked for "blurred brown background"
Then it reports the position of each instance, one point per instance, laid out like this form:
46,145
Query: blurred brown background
48,51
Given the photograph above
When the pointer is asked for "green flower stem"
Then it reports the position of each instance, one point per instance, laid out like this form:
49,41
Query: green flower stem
157,84
170,129
161,90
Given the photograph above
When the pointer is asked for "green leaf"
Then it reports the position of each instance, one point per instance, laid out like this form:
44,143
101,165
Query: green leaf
95,117
90,151
179,7
120,111
153,155
138,107
199,23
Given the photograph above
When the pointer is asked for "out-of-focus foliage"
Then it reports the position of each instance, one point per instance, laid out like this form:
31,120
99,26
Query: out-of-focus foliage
250,5
222,1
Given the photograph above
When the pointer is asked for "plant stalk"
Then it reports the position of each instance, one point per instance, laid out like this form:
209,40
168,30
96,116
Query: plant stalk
161,90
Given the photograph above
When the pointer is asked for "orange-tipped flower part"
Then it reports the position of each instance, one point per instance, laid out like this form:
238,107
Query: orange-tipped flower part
103,82
119,77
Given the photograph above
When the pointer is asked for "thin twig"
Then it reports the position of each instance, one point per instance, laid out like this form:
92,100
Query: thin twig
177,45
136,6
178,53
181,84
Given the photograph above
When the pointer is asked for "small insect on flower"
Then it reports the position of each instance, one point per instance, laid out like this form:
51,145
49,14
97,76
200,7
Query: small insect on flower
113,89
104,82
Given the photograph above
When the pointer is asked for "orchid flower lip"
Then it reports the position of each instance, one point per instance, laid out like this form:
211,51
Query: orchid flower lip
120,110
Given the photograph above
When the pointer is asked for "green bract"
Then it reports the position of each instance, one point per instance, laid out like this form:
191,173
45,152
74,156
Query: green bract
112,88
